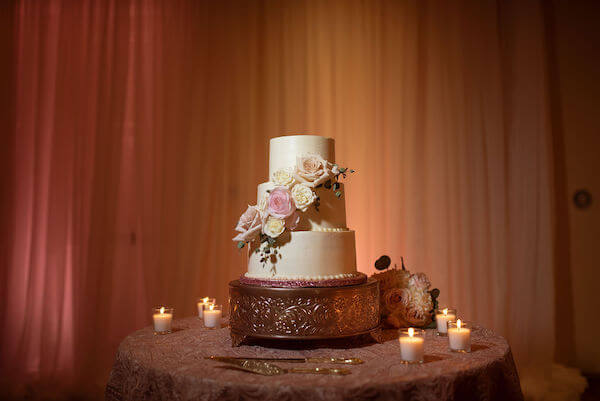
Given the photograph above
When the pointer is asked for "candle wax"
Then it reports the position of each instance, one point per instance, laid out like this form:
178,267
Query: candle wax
442,321
411,348
212,318
162,322
201,307
459,339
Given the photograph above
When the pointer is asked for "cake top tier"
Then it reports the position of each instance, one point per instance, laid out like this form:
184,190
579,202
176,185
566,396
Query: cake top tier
283,150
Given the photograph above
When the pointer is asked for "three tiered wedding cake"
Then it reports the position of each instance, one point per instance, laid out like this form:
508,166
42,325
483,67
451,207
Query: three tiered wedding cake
301,282
296,233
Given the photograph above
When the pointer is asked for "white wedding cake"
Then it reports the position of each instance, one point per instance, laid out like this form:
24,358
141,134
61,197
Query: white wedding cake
296,233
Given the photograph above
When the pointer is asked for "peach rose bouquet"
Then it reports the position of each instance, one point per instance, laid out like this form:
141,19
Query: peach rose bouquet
405,299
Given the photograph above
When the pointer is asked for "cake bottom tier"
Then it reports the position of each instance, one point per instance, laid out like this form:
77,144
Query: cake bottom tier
302,313
307,256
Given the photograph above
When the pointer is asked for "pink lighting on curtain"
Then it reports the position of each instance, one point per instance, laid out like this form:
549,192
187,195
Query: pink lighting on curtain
141,131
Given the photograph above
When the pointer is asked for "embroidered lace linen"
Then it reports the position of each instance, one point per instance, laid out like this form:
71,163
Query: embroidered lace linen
154,367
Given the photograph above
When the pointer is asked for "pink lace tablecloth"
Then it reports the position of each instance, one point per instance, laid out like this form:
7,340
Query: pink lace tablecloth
172,367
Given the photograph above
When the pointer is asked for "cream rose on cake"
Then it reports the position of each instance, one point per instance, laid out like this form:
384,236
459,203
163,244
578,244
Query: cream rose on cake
284,177
249,225
273,227
263,205
303,196
281,204
312,170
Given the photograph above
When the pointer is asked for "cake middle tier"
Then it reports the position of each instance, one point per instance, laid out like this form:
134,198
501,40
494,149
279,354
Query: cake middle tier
307,255
331,215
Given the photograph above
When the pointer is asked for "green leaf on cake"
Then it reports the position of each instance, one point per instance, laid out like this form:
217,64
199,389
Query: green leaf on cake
241,244
336,186
338,194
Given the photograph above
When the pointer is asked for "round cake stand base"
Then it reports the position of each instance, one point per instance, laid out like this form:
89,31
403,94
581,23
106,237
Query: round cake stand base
303,316
350,341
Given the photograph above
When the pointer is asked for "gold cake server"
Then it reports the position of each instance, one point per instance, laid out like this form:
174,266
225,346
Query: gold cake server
268,369
345,361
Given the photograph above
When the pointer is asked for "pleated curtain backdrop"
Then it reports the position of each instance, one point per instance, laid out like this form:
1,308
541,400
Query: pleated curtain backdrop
141,131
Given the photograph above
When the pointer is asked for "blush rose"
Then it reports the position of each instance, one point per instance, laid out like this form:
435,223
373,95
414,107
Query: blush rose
312,170
281,204
249,225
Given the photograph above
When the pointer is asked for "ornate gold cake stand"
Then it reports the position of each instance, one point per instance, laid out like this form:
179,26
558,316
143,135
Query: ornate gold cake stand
316,313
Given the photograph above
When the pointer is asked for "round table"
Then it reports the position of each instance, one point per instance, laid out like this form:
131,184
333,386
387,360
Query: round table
172,366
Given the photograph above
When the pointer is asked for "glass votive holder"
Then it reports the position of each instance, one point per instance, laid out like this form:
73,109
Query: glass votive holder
412,345
162,316
459,336
212,316
442,317
202,303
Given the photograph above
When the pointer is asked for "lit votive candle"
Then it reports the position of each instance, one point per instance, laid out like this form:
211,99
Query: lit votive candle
442,317
163,318
412,345
212,316
202,303
459,336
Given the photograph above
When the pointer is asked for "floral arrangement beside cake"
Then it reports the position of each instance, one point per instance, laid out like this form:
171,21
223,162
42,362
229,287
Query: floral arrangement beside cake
296,232
405,299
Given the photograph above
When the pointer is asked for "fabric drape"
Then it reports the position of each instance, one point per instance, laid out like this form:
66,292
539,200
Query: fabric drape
141,131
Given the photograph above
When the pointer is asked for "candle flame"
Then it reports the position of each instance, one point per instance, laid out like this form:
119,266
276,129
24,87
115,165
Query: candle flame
458,324
445,311
205,299
162,309
411,332
211,306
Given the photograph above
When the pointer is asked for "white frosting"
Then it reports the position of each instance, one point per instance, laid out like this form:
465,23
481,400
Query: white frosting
307,255
283,150
331,215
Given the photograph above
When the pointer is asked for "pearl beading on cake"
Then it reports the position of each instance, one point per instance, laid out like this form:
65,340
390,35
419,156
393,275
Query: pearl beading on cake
331,229
299,277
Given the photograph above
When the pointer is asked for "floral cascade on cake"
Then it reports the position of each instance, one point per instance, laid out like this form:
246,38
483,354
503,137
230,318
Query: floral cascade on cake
279,208
405,298
296,232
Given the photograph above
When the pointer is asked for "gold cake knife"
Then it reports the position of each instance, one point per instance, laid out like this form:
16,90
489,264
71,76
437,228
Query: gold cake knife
345,361
268,369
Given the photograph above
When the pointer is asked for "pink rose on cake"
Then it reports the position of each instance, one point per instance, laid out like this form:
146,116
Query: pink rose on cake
281,204
249,225
312,170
